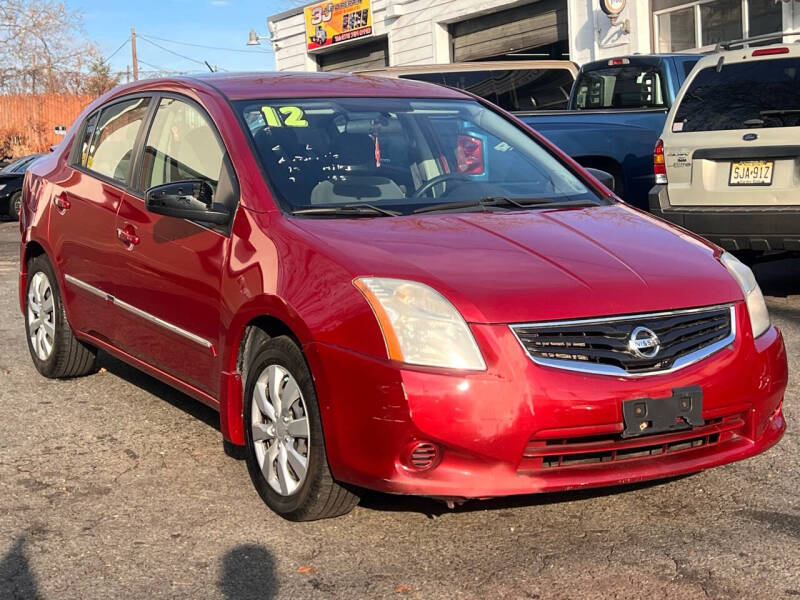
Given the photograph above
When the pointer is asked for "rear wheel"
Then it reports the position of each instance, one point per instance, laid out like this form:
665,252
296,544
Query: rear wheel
55,350
283,430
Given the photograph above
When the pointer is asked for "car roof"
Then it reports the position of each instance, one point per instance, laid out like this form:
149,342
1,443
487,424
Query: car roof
499,65
287,84
746,54
242,86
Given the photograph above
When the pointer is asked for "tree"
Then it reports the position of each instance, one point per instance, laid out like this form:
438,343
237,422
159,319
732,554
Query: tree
42,47
99,79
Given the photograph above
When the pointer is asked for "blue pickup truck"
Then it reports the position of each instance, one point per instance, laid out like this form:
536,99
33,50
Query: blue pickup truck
614,115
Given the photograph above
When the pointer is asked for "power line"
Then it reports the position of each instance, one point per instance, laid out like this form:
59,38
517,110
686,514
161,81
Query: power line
183,56
254,51
121,46
160,69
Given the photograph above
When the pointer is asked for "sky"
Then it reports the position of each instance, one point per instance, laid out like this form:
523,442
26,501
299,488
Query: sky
224,24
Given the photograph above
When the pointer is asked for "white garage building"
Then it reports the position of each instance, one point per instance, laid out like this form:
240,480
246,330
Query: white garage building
403,32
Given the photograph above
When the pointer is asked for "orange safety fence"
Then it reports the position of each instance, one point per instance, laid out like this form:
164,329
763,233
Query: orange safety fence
28,122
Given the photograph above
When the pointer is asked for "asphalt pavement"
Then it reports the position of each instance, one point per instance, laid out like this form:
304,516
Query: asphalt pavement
117,486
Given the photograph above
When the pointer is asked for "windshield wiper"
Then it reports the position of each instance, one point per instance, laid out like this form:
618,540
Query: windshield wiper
348,210
494,201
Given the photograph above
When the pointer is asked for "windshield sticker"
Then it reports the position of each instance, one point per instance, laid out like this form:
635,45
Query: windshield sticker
292,116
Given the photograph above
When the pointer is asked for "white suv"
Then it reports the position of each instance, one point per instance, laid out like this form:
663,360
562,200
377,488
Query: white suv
728,162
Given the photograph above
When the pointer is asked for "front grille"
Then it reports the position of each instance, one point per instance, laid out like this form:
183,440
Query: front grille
603,345
577,451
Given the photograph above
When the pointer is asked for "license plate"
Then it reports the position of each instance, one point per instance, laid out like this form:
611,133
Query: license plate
752,172
682,410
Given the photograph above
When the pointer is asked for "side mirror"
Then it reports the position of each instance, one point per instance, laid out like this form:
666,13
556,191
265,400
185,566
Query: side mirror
190,199
604,177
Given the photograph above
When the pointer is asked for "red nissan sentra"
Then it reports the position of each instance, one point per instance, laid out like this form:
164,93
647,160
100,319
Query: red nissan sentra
391,285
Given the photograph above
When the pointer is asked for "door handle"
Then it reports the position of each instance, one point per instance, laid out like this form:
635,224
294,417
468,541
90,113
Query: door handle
127,235
61,203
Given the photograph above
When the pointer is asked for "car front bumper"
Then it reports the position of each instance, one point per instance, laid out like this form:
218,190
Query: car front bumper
493,428
735,228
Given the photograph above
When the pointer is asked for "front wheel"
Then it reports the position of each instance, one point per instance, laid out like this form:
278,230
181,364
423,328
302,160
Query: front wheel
283,431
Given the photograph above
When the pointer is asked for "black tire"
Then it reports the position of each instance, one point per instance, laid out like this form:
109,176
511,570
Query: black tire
15,205
69,356
318,496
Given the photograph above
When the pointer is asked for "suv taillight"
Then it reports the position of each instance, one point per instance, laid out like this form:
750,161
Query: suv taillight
659,164
771,51
469,154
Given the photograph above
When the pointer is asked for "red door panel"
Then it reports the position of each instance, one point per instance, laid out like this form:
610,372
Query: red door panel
167,294
82,236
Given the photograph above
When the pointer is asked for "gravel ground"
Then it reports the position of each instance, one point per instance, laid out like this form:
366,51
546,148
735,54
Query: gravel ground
116,486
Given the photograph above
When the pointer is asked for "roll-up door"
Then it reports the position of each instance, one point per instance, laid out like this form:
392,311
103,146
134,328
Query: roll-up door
516,29
370,55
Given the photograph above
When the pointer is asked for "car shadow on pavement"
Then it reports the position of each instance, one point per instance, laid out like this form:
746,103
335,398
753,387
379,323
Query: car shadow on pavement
779,278
16,578
248,573
432,508
153,386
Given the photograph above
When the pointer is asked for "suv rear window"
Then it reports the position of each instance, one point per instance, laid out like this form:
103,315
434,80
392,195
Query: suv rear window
512,90
748,95
620,87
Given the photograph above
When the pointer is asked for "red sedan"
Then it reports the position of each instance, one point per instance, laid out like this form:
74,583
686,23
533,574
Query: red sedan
391,285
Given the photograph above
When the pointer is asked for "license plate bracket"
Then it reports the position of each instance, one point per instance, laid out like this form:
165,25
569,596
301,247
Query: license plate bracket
648,416
751,172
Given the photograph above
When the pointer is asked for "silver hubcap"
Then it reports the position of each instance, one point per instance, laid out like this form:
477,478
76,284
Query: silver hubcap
17,206
41,316
281,435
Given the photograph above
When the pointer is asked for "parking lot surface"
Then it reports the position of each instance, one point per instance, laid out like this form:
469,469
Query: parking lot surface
116,486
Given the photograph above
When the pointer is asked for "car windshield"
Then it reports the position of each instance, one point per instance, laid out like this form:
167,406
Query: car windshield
747,95
401,155
620,87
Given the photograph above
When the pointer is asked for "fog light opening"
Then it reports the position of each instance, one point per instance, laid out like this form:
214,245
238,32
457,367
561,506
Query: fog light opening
422,456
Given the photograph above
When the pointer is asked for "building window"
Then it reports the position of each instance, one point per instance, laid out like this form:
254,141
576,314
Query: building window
765,17
676,30
686,25
720,20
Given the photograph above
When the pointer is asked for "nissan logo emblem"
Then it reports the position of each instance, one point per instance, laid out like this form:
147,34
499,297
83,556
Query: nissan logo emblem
644,343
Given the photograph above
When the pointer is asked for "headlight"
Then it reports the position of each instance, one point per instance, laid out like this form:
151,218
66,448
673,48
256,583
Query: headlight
2,186
419,325
759,316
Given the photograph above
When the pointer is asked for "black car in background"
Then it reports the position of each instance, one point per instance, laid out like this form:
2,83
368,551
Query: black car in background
11,177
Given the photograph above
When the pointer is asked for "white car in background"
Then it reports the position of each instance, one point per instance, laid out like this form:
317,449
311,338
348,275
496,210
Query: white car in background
728,162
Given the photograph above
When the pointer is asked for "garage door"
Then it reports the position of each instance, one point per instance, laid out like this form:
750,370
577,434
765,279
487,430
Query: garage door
372,55
524,27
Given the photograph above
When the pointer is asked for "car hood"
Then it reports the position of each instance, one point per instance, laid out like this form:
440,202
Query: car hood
532,265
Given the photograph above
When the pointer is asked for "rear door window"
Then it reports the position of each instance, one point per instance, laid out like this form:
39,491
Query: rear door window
514,90
110,152
620,87
748,95
88,135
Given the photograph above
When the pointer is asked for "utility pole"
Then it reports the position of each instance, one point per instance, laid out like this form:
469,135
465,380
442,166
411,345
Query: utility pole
133,55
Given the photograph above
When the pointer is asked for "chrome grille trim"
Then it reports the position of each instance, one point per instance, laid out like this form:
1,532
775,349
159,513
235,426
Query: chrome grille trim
611,370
